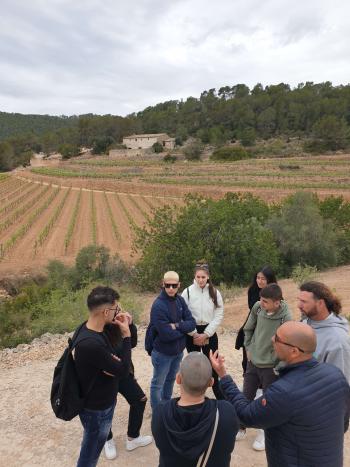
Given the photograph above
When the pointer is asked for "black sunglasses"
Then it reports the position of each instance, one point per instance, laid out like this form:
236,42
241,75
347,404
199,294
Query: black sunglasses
278,339
171,286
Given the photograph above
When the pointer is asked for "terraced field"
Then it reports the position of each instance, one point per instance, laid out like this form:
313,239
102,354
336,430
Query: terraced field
52,212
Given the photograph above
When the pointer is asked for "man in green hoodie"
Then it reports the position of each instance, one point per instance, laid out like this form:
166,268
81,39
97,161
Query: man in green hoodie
265,318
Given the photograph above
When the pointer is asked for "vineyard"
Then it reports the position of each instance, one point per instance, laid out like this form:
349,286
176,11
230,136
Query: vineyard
52,212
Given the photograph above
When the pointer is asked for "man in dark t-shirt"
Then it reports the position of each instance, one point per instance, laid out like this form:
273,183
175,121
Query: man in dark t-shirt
183,427
99,370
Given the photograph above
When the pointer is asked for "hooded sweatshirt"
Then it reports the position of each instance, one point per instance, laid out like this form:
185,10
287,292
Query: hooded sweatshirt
182,434
258,332
333,342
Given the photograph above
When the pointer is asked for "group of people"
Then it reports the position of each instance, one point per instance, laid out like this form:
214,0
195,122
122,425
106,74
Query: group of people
302,369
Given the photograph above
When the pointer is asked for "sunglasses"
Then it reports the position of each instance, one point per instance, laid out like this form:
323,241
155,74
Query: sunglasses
171,286
278,339
202,266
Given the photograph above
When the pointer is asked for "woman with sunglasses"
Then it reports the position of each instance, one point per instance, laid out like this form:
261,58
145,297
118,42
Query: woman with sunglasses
207,307
130,390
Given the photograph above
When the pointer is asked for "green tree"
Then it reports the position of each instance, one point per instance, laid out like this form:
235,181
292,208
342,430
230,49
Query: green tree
247,137
332,131
302,235
6,156
68,150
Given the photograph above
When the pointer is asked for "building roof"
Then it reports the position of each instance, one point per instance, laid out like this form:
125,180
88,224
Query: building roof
147,135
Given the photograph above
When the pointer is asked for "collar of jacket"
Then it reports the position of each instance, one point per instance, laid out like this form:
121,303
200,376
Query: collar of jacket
307,363
164,296
200,288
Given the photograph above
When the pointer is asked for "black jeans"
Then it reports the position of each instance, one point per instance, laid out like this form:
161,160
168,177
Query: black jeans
133,394
255,378
212,345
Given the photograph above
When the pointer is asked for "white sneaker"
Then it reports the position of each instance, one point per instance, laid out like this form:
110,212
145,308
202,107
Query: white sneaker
110,449
242,434
259,443
138,442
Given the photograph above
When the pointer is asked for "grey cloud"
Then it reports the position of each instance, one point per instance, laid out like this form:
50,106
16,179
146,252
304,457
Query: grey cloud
60,56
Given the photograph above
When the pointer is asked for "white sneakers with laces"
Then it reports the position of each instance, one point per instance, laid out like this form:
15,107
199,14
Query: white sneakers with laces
110,449
138,442
259,443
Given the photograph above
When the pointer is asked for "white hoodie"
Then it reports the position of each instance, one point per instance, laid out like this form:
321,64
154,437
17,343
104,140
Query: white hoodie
202,307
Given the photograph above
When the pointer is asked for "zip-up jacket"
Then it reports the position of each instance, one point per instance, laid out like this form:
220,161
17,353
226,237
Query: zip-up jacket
202,307
304,414
164,312
258,332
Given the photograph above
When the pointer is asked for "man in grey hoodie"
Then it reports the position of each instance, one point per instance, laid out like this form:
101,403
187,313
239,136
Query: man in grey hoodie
321,308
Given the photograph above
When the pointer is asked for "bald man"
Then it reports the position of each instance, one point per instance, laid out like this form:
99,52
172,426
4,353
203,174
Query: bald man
305,412
183,427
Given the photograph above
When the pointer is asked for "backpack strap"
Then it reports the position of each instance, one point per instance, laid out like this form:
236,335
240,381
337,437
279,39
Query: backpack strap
203,460
188,294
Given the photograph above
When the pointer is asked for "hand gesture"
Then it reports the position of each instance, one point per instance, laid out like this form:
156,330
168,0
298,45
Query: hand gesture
122,321
218,363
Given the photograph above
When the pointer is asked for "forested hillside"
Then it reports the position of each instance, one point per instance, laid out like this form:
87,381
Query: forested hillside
12,124
319,114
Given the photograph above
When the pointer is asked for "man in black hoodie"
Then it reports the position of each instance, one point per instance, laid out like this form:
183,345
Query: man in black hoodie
183,427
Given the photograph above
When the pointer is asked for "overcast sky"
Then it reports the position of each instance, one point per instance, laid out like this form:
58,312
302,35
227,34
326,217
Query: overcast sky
118,56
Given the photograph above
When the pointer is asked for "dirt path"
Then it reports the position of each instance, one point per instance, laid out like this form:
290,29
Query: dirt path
31,435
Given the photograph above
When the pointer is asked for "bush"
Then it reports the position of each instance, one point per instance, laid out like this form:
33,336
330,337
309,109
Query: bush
59,304
68,150
193,151
230,153
303,273
157,147
169,158
229,232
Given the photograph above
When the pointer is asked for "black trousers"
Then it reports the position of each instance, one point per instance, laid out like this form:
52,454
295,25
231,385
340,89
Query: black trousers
212,345
133,394
255,378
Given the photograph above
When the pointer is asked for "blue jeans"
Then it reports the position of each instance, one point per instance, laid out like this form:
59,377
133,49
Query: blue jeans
165,368
96,424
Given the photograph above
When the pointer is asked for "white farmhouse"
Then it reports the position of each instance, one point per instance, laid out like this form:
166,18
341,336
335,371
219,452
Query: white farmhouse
147,141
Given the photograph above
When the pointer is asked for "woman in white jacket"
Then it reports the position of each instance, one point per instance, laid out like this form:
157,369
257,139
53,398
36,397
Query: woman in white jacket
207,308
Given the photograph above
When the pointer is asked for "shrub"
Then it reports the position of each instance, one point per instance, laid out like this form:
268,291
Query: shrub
303,273
169,158
157,147
229,232
193,151
230,153
68,150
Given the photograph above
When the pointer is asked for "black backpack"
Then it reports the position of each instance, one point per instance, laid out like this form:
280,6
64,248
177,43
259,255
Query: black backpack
66,395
